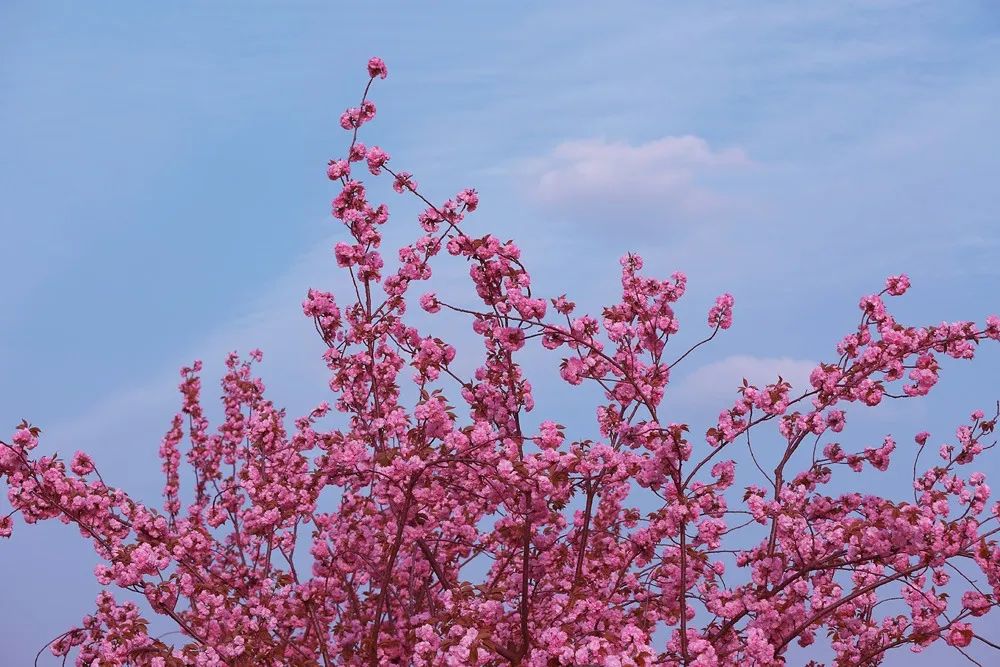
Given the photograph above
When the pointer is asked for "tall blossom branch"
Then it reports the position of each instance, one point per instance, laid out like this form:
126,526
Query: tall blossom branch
447,535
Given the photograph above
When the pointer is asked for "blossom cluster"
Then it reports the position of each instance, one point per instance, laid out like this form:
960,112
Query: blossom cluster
434,526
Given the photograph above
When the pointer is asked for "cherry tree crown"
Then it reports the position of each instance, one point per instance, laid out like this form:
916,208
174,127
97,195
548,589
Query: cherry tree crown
440,522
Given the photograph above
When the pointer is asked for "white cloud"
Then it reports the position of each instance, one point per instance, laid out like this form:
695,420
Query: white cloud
666,178
717,382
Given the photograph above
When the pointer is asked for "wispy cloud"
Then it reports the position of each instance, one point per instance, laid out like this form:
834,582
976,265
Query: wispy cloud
717,381
664,179
293,370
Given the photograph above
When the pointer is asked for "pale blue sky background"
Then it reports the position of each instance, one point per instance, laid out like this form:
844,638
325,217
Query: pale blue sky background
164,197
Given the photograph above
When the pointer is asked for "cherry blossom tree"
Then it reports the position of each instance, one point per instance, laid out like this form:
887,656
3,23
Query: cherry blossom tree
420,532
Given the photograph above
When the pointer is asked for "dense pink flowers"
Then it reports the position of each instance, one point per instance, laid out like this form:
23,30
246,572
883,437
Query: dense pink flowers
897,285
468,198
426,516
430,303
993,327
721,314
338,169
377,68
403,181
82,465
376,160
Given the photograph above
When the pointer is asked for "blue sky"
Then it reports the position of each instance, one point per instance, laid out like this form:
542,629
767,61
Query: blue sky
165,198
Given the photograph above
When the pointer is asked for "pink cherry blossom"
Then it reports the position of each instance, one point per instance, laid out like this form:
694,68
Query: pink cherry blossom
377,68
425,514
721,314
